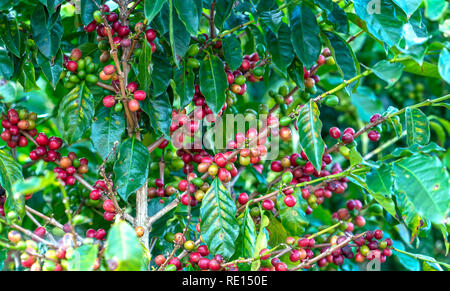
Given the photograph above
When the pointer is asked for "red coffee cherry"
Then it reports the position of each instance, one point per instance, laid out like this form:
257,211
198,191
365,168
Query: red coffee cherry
139,95
243,198
374,135
108,206
268,204
109,101
335,132
133,105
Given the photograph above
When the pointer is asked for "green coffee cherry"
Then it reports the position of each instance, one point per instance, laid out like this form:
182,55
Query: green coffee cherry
331,100
240,80
193,50
285,121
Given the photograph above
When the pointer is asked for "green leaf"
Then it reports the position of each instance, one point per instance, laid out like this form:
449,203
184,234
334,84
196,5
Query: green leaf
293,219
188,13
27,76
184,85
10,172
296,73
213,82
272,19
444,65
435,9
278,234
344,56
52,69
218,222
10,34
35,183
178,35
245,243
232,52
424,181
83,258
152,8
414,149
408,6
222,12
47,31
382,18
408,262
159,111
75,114
144,67
366,103
87,9
6,64
261,241
11,92
355,157
123,248
280,48
131,167
107,128
426,69
417,127
305,35
379,183
161,74
389,72
309,129
339,18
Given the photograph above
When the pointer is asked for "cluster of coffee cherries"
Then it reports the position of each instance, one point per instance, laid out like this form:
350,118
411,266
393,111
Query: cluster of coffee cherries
79,69
310,77
349,133
198,256
298,169
251,146
15,124
350,212
119,32
371,246
246,72
34,259
97,234
108,205
196,189
158,189
69,166
134,94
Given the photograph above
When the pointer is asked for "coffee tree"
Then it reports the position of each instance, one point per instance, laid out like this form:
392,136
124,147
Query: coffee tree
224,135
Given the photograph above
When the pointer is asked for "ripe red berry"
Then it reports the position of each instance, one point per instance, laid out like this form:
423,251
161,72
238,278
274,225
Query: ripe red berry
220,160
360,221
100,234
109,101
321,60
214,265
54,143
378,234
203,250
374,135
108,206
139,95
243,198
150,34
159,260
290,201
42,139
91,233
335,132
109,216
95,194
349,130
133,105
268,204
72,66
132,87
203,263
347,138
374,117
